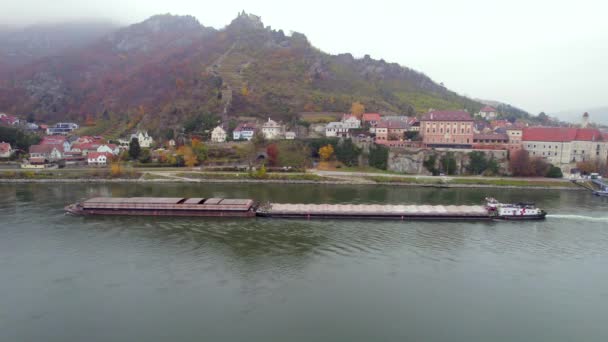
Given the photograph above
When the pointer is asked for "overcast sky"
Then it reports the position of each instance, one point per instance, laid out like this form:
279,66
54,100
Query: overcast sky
541,55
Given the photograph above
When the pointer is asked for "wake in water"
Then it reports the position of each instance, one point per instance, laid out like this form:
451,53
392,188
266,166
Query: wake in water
579,218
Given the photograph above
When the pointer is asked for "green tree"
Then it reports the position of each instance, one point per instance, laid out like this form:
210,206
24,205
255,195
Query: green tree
478,163
347,152
448,163
378,157
134,149
144,155
430,164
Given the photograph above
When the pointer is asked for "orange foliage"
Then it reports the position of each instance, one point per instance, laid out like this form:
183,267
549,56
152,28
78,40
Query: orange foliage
326,152
357,109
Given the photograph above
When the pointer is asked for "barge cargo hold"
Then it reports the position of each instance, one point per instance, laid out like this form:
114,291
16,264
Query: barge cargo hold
164,206
375,211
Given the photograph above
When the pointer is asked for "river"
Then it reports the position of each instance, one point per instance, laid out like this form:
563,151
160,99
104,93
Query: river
65,278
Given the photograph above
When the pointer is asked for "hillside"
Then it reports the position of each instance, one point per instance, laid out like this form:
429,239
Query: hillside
169,69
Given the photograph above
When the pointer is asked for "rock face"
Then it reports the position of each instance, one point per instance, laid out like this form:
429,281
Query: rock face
411,161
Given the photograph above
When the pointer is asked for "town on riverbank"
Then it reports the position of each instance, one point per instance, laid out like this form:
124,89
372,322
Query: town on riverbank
437,148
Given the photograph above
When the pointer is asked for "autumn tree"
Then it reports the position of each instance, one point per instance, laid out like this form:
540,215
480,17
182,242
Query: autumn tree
326,152
357,109
273,154
199,149
588,167
539,167
188,155
520,164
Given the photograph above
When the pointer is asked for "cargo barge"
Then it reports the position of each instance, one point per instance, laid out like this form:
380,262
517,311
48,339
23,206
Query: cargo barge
220,207
164,206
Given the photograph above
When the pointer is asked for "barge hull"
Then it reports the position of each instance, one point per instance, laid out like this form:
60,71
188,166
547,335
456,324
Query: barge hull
380,217
182,213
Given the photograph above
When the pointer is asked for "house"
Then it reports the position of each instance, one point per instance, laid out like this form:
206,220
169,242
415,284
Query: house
30,126
98,158
371,118
218,134
143,138
6,151
62,128
56,140
108,148
41,154
494,124
351,121
564,147
243,131
272,130
8,120
452,129
391,130
85,148
290,135
488,112
515,135
337,129
89,139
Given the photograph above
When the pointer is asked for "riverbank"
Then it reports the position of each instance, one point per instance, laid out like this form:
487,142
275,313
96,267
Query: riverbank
184,176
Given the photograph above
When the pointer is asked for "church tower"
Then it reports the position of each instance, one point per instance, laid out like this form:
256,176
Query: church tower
585,122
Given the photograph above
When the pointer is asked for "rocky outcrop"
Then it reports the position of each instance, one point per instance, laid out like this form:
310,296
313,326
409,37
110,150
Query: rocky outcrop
411,161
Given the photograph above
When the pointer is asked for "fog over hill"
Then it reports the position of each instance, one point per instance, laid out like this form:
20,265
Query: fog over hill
597,115
21,46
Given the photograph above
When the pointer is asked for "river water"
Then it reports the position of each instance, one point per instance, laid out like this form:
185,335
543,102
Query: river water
65,278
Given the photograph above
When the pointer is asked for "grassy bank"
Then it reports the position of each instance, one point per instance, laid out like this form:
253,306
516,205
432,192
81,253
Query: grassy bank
244,175
498,182
70,174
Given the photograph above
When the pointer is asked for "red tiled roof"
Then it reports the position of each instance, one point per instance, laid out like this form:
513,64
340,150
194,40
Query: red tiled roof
371,117
53,140
245,127
488,109
458,115
42,148
499,123
561,134
392,124
5,147
95,155
87,146
589,134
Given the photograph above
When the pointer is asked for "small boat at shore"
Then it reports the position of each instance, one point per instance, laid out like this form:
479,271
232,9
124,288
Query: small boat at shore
221,207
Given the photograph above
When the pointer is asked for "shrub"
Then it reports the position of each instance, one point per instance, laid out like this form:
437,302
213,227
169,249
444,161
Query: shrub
554,172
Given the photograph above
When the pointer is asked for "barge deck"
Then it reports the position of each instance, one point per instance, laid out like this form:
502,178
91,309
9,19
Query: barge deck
375,211
164,206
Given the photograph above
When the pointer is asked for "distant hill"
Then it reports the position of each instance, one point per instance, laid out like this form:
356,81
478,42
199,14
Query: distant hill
169,69
25,45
